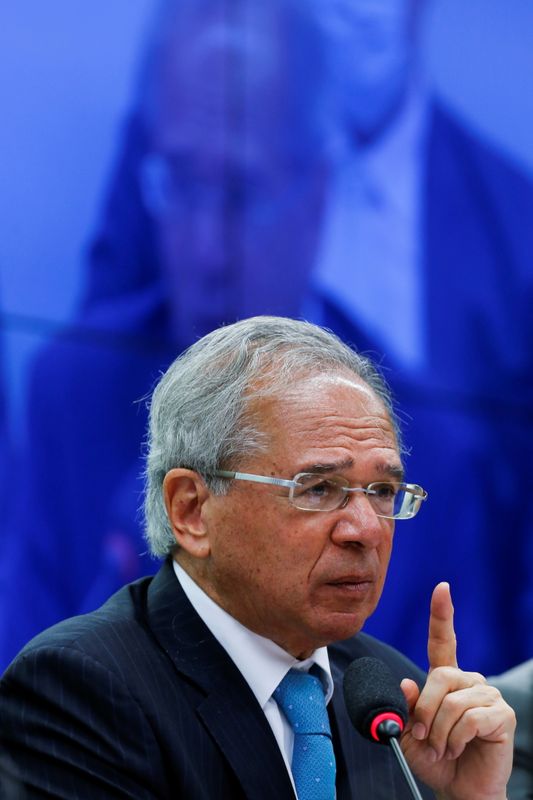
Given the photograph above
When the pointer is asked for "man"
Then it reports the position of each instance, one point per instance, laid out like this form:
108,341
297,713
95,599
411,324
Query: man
241,213
205,215
516,685
274,478
425,257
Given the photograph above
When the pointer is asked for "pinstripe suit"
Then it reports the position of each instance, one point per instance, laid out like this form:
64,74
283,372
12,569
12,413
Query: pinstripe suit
138,700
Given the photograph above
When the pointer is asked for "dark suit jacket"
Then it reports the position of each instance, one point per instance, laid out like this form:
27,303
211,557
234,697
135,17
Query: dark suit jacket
139,700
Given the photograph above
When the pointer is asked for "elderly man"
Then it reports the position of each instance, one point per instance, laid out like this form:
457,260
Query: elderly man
274,481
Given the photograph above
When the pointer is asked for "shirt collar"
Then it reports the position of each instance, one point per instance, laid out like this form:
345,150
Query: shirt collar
262,662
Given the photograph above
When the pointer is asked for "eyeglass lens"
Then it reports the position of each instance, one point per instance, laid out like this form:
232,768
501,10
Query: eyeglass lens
316,493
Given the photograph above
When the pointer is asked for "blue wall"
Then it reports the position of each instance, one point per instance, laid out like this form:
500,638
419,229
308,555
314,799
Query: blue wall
67,78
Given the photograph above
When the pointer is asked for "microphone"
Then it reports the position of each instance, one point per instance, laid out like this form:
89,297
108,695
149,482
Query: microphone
377,708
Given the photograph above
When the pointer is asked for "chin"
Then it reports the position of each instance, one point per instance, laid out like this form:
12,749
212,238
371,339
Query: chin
343,626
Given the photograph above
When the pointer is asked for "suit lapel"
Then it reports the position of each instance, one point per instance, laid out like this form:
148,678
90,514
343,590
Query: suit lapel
343,733
229,709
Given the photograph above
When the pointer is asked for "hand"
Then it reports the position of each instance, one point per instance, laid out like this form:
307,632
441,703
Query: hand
459,737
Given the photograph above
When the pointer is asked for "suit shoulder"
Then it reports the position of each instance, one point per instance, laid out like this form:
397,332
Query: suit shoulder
483,163
116,625
516,684
450,124
343,653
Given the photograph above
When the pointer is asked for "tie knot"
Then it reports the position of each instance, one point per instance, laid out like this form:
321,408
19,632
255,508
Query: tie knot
301,698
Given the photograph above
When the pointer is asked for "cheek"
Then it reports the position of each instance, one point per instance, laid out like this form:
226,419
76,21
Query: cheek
265,546
242,548
385,551
278,568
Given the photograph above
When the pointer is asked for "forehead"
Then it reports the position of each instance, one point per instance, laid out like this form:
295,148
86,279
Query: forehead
363,12
210,76
237,78
328,418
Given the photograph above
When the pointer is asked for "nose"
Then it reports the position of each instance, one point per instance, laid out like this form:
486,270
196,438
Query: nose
357,523
210,228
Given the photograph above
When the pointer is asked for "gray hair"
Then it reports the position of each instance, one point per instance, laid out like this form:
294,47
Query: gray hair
200,412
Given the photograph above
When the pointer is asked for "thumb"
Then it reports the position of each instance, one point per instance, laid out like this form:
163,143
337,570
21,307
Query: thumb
411,693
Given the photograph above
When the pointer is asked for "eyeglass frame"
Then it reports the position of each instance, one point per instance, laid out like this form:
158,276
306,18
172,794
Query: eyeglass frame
154,174
292,484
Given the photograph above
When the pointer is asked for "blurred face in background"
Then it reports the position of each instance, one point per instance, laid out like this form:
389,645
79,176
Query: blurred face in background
232,179
371,52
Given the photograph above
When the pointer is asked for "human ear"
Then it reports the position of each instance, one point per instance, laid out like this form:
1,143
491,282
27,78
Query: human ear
184,493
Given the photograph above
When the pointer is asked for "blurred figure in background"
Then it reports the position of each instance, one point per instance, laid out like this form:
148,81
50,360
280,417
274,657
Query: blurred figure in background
425,256
212,214
516,686
289,158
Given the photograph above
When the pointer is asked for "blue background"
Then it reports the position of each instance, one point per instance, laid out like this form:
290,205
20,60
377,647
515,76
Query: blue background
67,78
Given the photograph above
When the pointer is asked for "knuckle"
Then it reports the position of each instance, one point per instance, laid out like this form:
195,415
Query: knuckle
455,745
493,694
470,718
452,703
507,710
443,675
477,678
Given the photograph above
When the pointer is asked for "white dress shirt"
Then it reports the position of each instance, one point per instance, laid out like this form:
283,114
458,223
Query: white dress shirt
262,663
369,257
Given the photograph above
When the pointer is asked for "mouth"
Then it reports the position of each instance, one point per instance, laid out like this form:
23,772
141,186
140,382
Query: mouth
357,584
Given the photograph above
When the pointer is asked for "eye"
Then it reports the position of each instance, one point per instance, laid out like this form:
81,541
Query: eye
384,491
313,486
321,489
316,493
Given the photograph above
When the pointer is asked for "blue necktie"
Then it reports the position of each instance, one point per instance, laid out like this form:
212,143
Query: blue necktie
301,698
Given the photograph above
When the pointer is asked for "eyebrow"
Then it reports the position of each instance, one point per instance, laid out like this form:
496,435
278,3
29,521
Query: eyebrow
332,466
395,471
392,470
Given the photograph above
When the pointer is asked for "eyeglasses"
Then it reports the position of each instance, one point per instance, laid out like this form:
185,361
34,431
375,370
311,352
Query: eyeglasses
310,491
170,187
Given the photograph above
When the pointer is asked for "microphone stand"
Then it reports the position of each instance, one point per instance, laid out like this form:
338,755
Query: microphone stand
389,730
397,750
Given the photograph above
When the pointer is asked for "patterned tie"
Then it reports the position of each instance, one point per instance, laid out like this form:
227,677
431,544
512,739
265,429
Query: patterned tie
301,698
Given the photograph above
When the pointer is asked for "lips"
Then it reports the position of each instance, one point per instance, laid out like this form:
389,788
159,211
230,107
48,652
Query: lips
353,577
352,581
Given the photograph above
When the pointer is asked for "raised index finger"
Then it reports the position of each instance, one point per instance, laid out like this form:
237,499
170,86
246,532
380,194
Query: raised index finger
442,644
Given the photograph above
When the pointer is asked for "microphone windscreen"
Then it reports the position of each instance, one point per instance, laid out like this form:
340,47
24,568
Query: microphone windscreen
370,689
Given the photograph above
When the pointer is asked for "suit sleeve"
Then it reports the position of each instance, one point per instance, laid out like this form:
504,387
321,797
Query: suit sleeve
73,729
516,686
